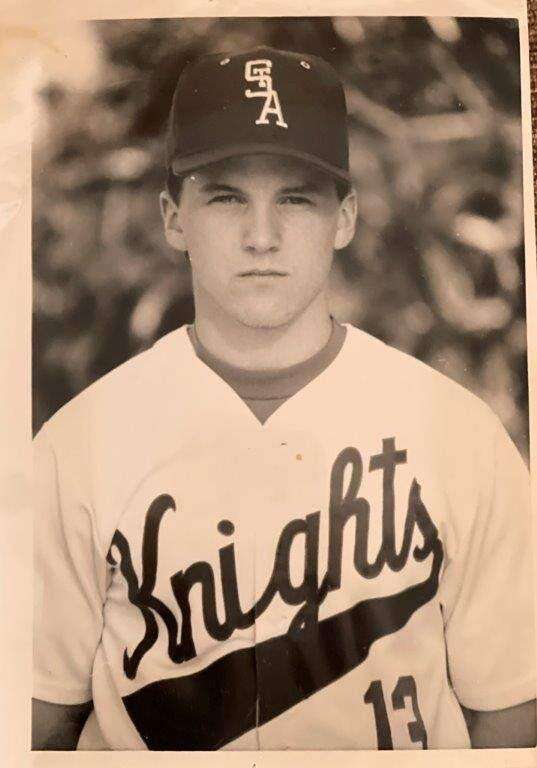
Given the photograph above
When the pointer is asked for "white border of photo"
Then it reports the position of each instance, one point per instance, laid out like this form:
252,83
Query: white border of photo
36,37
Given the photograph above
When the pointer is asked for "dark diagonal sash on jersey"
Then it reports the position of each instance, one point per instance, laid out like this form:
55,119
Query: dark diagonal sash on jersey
249,687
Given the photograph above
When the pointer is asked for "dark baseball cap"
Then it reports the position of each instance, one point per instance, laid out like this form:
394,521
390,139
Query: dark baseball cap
263,101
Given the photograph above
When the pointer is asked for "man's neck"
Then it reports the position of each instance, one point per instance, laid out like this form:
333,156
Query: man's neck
266,348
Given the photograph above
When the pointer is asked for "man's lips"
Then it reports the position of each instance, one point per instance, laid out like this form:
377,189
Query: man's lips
263,273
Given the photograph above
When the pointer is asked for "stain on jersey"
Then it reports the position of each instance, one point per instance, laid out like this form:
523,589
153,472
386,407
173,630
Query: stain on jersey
277,673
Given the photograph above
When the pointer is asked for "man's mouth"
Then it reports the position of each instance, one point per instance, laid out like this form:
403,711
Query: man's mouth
263,273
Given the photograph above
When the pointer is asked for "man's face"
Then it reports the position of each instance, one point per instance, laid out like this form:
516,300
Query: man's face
260,231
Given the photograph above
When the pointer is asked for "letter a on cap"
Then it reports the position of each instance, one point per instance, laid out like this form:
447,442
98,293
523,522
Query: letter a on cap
259,71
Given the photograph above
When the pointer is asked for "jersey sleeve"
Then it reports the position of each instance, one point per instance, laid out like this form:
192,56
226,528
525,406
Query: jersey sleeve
488,594
69,584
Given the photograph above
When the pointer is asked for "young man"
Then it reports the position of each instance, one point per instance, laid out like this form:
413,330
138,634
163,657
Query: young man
271,531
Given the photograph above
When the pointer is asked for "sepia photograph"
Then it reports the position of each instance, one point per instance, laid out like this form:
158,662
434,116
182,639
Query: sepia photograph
280,405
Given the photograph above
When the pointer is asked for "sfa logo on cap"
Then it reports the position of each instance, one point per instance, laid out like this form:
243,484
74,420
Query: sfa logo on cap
259,71
300,110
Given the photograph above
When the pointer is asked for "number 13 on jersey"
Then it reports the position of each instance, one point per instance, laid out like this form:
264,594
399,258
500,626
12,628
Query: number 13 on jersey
404,695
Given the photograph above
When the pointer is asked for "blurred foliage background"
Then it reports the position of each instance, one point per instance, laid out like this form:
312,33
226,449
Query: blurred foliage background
437,266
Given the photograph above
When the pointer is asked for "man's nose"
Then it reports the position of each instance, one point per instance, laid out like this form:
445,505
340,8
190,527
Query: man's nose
262,229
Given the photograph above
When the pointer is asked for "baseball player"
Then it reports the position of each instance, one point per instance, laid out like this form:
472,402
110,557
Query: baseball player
272,531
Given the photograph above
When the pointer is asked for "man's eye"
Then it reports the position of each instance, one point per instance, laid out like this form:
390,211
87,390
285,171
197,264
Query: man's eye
296,200
229,198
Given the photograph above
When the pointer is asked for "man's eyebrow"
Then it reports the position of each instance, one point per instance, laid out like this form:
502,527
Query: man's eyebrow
212,186
302,189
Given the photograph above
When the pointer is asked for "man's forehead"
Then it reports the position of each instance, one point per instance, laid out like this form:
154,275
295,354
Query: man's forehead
289,171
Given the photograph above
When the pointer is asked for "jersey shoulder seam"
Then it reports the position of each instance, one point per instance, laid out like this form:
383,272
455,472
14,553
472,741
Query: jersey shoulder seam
138,366
423,369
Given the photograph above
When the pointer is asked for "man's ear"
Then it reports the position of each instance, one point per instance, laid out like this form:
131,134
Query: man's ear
172,229
346,227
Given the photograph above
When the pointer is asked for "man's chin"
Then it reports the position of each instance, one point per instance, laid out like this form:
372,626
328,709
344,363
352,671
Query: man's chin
264,319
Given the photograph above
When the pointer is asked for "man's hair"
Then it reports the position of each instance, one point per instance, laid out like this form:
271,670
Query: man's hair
174,185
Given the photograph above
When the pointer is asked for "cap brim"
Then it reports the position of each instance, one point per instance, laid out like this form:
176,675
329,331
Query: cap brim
181,165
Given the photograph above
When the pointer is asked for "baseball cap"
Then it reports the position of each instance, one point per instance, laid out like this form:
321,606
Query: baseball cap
259,101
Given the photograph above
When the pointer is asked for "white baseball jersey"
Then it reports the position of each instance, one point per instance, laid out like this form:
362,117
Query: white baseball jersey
339,577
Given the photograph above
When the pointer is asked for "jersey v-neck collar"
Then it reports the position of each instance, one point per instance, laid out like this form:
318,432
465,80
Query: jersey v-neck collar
278,384
201,375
